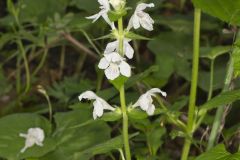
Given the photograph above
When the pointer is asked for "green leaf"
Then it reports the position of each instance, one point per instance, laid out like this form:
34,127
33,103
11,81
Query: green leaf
76,131
222,99
105,147
136,113
112,116
218,153
154,138
172,50
119,82
135,36
11,143
213,52
226,10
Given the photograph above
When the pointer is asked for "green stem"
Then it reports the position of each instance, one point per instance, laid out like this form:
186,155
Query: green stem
122,97
125,124
18,75
121,36
220,110
193,92
27,70
210,92
43,59
121,153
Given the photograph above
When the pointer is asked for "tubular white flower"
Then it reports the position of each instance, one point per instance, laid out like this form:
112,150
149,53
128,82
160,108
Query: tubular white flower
140,18
145,101
114,65
105,8
99,104
114,47
33,136
117,4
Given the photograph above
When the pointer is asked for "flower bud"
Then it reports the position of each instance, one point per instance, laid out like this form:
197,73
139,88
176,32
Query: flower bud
117,4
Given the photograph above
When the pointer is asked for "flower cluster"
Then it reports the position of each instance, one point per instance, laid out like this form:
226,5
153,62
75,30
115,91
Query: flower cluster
115,63
112,62
33,136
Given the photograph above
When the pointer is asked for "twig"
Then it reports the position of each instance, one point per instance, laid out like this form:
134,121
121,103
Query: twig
79,45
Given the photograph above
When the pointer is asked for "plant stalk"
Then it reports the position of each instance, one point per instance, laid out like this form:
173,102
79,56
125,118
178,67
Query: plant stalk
125,124
193,92
122,97
220,110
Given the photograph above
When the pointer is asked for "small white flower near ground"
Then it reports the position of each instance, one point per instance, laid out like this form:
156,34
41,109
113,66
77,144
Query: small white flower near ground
33,136
99,104
141,18
114,65
145,101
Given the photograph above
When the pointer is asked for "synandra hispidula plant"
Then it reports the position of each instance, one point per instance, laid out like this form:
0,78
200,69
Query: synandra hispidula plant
114,61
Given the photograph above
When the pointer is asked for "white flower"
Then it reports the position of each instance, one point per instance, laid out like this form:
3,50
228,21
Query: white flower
140,18
145,101
99,104
114,47
105,8
117,4
33,136
114,65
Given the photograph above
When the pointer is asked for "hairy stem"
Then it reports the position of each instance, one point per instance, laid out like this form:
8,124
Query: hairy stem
125,124
122,97
193,92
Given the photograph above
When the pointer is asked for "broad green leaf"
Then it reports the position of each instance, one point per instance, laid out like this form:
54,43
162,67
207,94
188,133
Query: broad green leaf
11,143
76,131
218,153
105,147
213,52
177,23
154,138
184,23
171,50
226,10
222,99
